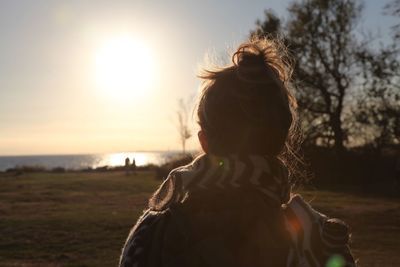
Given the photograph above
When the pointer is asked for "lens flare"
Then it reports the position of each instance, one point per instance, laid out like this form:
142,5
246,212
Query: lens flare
335,261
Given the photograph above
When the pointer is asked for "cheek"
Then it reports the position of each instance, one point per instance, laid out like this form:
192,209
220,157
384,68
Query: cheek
203,141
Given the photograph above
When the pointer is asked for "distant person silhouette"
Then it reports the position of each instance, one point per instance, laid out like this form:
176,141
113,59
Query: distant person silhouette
233,205
133,166
127,165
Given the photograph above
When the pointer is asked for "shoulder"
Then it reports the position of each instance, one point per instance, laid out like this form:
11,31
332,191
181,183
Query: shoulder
320,237
139,244
158,238
299,213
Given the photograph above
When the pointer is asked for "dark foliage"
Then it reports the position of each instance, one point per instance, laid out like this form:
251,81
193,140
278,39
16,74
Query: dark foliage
348,92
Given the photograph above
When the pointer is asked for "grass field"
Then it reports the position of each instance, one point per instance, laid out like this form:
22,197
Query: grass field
82,219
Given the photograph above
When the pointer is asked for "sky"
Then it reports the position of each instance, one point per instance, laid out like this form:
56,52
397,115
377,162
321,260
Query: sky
106,76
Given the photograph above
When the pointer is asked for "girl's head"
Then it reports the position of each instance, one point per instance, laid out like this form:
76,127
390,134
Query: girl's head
247,107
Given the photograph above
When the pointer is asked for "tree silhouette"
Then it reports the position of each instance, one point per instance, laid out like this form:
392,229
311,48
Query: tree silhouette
183,123
393,9
321,37
378,109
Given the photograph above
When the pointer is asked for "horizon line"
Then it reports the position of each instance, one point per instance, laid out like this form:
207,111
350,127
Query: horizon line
95,153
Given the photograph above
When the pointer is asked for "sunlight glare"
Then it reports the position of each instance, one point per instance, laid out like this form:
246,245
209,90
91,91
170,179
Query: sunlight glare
124,67
118,159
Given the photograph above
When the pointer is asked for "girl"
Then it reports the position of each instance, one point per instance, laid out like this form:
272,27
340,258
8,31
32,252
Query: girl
232,206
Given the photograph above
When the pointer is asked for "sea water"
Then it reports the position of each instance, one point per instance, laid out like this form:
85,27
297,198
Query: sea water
76,162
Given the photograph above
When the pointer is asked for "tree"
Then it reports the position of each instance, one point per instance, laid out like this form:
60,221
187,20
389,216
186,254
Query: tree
320,35
272,25
393,8
183,124
378,109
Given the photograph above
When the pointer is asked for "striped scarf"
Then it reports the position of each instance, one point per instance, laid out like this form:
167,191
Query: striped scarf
316,240
267,175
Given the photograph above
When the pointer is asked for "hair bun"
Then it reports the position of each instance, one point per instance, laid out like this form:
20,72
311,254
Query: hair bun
262,56
251,60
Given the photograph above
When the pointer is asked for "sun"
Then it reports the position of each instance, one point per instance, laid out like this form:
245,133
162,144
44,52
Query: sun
124,67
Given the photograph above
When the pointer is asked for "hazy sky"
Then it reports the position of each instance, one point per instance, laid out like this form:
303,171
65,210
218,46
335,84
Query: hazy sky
57,68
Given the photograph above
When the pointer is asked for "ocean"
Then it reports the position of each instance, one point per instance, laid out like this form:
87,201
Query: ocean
77,162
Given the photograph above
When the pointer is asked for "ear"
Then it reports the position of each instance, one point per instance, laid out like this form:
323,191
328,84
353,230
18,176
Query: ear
203,141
